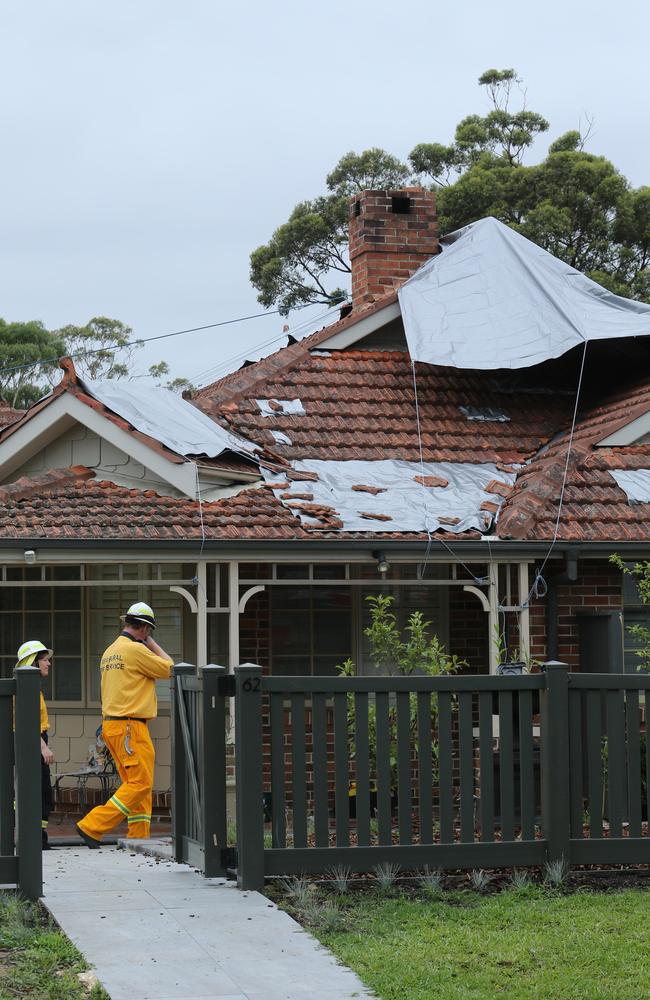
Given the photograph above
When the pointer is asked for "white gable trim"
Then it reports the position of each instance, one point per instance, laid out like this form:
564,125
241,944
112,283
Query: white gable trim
66,410
628,434
361,329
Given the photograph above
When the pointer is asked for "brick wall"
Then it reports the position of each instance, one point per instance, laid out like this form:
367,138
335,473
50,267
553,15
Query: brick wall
391,234
598,587
254,631
468,631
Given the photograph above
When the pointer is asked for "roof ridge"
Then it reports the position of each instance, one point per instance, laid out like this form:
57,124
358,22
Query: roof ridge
249,375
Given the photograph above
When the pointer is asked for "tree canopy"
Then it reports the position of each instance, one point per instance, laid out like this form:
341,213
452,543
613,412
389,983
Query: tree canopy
102,349
574,203
22,349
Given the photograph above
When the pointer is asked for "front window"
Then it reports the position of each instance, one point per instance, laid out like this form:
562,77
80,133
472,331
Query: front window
40,606
411,595
311,623
108,602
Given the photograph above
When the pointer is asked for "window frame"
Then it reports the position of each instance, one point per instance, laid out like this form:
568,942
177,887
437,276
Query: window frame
56,704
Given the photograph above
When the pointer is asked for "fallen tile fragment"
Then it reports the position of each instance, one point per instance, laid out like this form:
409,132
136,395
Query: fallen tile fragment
431,481
360,488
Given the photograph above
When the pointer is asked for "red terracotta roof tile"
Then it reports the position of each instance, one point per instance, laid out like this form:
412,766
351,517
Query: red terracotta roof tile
360,405
594,508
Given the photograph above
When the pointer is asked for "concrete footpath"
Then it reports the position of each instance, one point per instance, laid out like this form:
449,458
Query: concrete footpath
156,930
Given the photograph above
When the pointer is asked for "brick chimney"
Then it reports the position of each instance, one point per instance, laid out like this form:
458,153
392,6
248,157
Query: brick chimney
391,234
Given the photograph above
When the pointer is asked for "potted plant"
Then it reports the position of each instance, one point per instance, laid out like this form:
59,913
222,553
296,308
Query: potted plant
510,662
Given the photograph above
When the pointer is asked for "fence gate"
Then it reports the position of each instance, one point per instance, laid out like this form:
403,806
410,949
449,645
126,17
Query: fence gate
199,823
20,777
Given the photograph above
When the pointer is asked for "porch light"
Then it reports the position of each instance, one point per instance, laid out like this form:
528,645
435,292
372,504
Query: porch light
29,556
382,562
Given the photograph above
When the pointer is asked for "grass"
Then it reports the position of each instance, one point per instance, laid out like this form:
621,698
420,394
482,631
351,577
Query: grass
36,959
531,943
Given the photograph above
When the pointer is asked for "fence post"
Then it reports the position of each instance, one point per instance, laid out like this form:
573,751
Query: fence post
555,762
248,757
6,776
212,777
179,763
28,782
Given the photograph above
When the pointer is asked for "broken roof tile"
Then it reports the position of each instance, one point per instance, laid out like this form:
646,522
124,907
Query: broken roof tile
432,481
375,490
500,489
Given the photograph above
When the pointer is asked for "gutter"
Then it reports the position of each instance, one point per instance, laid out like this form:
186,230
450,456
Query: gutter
224,548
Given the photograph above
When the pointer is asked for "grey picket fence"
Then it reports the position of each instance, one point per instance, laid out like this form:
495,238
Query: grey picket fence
449,772
21,860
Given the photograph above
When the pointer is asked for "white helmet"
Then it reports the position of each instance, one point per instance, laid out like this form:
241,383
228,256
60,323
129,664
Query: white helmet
28,652
142,613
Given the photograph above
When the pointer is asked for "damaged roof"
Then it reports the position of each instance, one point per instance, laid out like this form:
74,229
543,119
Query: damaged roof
361,442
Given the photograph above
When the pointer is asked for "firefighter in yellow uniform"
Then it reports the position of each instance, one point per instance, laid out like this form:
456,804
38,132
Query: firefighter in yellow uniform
129,670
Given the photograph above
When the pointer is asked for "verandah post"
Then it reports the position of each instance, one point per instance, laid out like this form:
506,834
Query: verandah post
28,783
248,758
555,762
179,762
212,777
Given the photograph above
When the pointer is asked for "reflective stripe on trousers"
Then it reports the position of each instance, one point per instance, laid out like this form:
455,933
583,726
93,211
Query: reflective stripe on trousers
130,745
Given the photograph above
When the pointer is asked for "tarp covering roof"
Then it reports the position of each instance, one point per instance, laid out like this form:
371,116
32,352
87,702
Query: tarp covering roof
393,495
166,417
492,299
635,483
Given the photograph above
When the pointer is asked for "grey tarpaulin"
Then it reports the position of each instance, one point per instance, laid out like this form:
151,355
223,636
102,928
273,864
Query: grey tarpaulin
409,505
293,407
167,418
634,483
492,299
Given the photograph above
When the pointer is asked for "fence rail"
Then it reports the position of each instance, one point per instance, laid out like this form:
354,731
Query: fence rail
21,860
459,772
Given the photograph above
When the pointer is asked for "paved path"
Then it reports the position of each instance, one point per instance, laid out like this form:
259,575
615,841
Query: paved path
156,930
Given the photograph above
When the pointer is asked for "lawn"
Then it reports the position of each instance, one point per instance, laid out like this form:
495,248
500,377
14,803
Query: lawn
526,943
36,960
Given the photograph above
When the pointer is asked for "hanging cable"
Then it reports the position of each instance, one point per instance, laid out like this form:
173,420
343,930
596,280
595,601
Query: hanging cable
210,374
199,498
424,496
539,586
477,579
568,458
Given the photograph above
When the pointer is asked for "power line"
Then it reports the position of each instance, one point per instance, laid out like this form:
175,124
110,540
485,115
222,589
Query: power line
209,374
139,341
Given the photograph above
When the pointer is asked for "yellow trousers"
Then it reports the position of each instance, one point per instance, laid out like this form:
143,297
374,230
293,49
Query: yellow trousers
132,750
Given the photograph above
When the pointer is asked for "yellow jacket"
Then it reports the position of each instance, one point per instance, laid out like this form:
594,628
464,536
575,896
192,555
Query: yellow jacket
128,674
45,722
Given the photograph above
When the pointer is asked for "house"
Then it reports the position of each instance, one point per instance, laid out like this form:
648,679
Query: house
473,441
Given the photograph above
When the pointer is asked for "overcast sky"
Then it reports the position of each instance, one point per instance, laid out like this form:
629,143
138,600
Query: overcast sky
148,146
